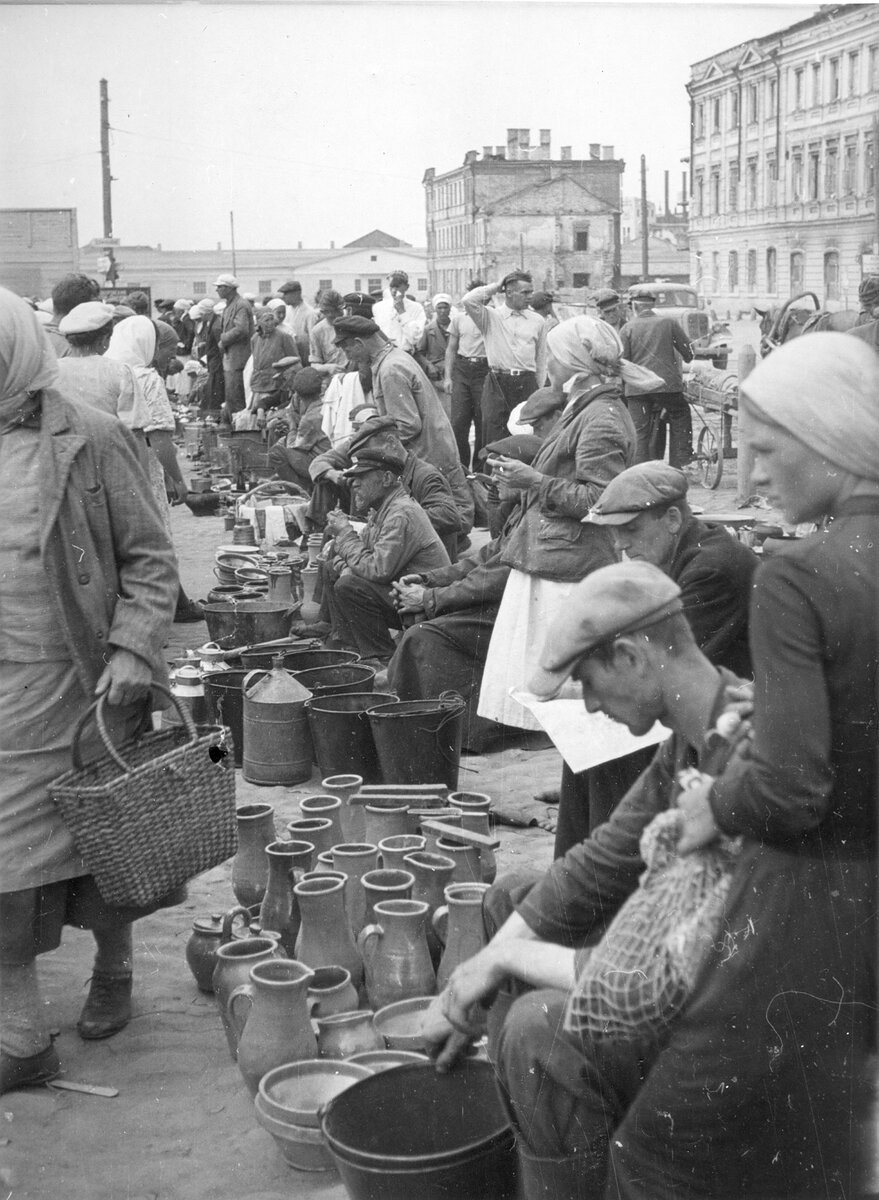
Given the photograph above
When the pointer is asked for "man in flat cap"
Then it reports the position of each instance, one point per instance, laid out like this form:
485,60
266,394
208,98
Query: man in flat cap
430,352
466,367
515,345
542,303
659,343
542,410
400,319
299,317
576,1104
401,390
359,304
236,330
398,540
610,307
292,455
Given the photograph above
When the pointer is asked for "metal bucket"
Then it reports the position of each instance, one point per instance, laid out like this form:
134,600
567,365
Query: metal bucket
419,741
247,623
332,681
341,735
299,660
225,704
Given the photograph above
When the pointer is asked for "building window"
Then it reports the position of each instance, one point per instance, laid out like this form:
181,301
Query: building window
200,288
324,285
797,272
814,167
831,275
796,176
833,81
831,170
373,258
752,104
715,192
715,115
815,97
850,167
581,239
732,271
771,270
854,61
264,285
751,184
869,165
733,187
715,270
873,69
734,109
581,279
373,284
752,270
700,119
771,98
357,283
699,196
422,284
771,180
799,76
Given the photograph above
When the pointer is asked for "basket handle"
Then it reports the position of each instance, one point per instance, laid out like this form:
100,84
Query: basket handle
98,709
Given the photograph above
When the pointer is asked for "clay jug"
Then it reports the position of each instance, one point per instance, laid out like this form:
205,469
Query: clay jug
328,807
317,830
234,961
385,885
201,950
395,954
385,822
331,991
459,925
279,910
394,849
468,864
249,917
310,609
478,822
325,938
342,1034
276,1029
453,818
355,859
470,801
250,868
345,788
433,873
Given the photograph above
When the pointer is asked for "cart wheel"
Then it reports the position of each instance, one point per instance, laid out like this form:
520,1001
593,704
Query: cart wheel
709,458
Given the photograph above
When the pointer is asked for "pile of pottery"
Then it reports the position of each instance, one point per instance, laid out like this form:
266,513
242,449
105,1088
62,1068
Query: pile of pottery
343,930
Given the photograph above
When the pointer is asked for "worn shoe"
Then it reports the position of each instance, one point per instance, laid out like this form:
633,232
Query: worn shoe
107,1008
27,1072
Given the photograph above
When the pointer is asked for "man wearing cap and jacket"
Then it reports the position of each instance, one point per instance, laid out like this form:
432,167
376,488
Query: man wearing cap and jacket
610,307
398,540
430,352
515,345
299,317
236,330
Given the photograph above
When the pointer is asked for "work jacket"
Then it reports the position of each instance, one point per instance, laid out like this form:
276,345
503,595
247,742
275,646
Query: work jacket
398,540
237,324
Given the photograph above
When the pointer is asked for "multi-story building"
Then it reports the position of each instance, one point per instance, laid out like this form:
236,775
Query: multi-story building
783,162
37,247
517,206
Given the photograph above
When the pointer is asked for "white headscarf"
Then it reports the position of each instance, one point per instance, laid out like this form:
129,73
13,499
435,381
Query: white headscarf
590,347
27,360
133,342
824,389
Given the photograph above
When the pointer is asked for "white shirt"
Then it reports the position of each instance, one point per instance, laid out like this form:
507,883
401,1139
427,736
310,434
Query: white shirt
403,328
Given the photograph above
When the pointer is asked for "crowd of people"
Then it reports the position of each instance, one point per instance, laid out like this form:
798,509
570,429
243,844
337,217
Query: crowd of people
404,432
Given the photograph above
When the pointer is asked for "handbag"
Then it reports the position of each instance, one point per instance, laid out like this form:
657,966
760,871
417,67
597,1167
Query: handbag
152,814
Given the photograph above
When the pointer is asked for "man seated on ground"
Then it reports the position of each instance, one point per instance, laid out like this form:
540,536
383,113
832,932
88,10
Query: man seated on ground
625,639
292,455
647,511
455,609
398,540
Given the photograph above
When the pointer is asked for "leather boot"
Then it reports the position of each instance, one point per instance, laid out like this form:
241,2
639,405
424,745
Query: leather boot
107,1008
571,1178
27,1072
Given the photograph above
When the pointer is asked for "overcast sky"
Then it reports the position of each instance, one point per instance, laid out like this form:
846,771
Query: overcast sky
315,122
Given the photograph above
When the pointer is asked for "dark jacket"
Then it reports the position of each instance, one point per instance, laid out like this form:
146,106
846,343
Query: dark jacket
398,540
110,564
592,443
237,326
654,342
431,351
472,582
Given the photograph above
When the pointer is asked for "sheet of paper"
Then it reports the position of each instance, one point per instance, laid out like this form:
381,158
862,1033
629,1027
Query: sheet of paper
586,739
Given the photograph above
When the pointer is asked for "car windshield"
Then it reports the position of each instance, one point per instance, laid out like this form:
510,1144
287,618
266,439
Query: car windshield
676,298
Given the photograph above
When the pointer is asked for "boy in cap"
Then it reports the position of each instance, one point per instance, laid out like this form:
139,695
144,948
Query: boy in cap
292,455
430,352
400,319
398,540
269,345
299,318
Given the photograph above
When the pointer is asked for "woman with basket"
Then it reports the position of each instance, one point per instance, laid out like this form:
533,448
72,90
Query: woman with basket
88,584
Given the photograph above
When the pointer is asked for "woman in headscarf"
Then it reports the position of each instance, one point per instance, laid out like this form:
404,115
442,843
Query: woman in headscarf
87,588
765,1087
148,347
551,549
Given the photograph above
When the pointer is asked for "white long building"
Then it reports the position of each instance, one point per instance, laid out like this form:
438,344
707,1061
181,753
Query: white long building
783,162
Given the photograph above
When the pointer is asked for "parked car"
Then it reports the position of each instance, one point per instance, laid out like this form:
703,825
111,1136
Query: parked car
709,339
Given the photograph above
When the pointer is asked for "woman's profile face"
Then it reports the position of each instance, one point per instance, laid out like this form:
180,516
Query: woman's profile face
558,374
798,480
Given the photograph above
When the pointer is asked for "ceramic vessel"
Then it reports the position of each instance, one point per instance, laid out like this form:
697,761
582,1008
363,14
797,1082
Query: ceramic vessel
384,822
343,1034
344,787
392,850
467,860
460,927
395,954
201,950
317,830
400,1023
325,938
250,868
279,910
355,859
384,884
234,961
328,807
476,821
269,1015
453,818
433,873
331,991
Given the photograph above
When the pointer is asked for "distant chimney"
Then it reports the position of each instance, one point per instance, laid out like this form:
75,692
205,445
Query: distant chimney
512,143
470,157
595,150
566,154
487,151
159,246
545,143
500,152
299,245
332,245
607,153
524,139
219,247
667,210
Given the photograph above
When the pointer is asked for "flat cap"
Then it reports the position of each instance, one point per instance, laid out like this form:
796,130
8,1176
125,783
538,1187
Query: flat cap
87,318
368,430
354,327
644,486
609,603
515,277
377,460
363,408
868,290
648,297
307,382
521,446
605,298
540,404
291,285
224,281
360,303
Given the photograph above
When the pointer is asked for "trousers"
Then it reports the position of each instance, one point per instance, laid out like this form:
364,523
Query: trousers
468,380
645,410
233,383
360,614
500,395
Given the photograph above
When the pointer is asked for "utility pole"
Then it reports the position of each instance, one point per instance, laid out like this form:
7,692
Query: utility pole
112,272
232,229
645,266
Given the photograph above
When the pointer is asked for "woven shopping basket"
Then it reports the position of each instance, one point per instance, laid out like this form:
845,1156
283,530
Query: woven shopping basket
152,814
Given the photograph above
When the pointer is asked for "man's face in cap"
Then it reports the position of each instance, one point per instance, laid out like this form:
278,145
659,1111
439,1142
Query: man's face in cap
651,537
368,489
625,688
224,291
355,351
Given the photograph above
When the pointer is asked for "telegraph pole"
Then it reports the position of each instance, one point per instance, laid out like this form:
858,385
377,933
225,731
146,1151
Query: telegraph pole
111,273
645,266
232,231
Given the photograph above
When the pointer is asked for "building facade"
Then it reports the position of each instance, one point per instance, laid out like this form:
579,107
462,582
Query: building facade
783,162
358,266
37,247
516,206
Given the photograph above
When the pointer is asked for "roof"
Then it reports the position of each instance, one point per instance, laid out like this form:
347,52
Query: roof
376,238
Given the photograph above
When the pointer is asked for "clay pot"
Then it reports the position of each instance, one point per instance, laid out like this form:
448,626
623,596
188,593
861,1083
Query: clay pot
328,807
467,860
201,950
385,885
459,926
453,818
325,938
249,918
344,787
317,830
277,1029
433,873
470,801
394,849
346,1033
250,868
331,991
279,910
395,955
355,859
385,822
234,961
